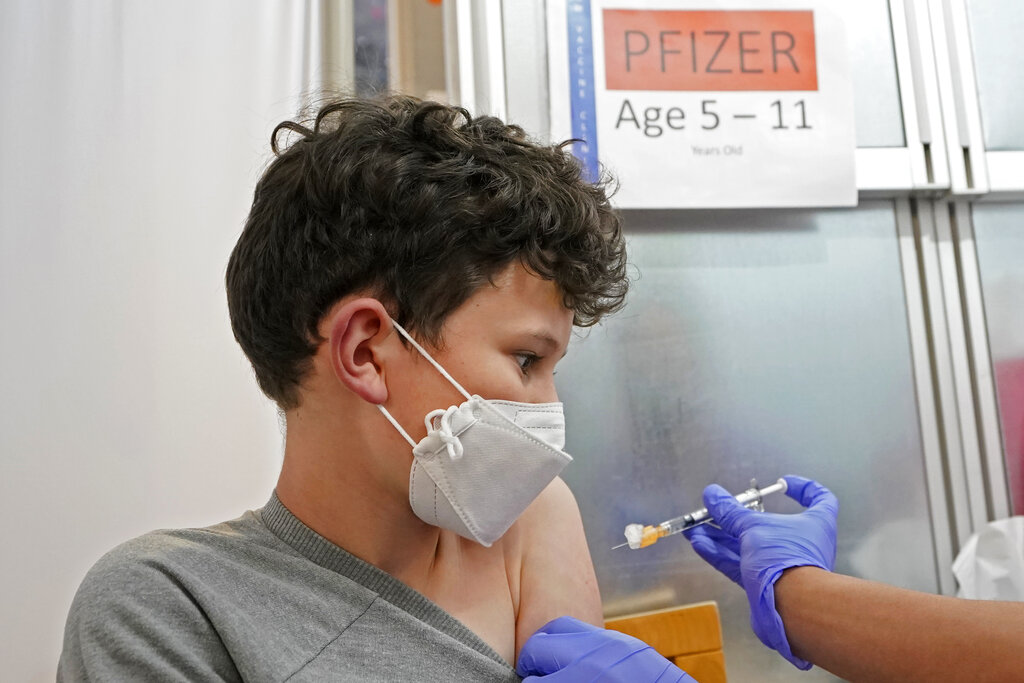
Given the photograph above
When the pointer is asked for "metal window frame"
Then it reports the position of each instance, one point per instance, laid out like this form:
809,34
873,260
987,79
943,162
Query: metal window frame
976,171
959,389
961,435
976,174
978,361
924,313
961,109
1005,174
528,86
328,53
475,56
920,166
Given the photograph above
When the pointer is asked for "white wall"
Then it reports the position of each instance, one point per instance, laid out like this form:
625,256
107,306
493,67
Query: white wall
132,135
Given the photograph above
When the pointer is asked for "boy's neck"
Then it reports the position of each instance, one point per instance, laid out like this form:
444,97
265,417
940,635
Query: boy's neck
341,483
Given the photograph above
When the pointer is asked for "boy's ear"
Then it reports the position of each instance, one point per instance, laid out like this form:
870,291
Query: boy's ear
355,333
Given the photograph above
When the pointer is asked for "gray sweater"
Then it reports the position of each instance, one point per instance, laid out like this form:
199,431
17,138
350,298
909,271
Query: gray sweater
260,598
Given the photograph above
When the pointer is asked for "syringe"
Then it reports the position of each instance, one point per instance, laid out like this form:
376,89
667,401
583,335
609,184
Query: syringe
640,536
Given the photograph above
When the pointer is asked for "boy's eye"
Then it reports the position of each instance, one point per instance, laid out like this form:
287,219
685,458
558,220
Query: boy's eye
526,361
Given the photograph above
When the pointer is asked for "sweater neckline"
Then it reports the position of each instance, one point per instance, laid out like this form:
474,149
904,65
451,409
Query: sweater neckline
317,549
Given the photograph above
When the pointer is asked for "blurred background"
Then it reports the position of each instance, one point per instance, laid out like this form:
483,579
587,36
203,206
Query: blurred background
879,349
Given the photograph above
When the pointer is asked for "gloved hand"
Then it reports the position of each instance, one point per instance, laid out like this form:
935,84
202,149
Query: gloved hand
754,548
567,650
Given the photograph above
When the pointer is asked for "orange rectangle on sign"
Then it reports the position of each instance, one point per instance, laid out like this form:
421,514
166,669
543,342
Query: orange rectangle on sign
709,50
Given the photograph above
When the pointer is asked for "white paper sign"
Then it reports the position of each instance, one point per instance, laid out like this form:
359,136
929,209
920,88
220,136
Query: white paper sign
706,104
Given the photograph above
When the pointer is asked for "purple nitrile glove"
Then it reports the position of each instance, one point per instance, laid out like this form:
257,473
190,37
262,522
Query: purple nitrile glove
754,548
568,650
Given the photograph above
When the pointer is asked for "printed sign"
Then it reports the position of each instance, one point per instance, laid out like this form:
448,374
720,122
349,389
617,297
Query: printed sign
748,104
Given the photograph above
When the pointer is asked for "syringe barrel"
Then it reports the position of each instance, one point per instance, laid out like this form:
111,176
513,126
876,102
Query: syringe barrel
688,521
682,523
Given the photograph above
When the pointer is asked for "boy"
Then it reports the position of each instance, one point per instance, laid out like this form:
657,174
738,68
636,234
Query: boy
401,260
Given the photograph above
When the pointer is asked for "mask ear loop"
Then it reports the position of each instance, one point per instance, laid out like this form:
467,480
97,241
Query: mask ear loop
433,362
395,424
438,367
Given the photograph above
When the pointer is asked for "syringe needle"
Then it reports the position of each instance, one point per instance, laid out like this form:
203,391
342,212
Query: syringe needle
621,545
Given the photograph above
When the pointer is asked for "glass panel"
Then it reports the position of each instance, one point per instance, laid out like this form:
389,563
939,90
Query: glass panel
996,28
1000,244
755,344
878,114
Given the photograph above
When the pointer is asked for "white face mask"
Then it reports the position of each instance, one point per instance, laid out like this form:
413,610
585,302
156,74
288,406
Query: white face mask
482,463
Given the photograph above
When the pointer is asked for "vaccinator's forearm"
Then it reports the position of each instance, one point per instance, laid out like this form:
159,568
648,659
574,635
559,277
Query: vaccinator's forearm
866,631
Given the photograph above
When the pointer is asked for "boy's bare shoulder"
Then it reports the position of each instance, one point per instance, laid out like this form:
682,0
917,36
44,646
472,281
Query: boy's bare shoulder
557,574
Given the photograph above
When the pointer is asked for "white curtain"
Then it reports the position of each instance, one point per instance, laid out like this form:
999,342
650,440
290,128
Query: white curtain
133,132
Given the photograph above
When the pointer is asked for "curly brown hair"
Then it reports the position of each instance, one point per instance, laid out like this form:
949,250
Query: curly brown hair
419,204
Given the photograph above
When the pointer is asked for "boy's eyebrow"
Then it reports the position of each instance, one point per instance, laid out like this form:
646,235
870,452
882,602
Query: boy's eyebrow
549,341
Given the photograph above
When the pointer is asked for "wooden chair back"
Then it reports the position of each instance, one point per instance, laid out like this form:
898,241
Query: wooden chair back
690,636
